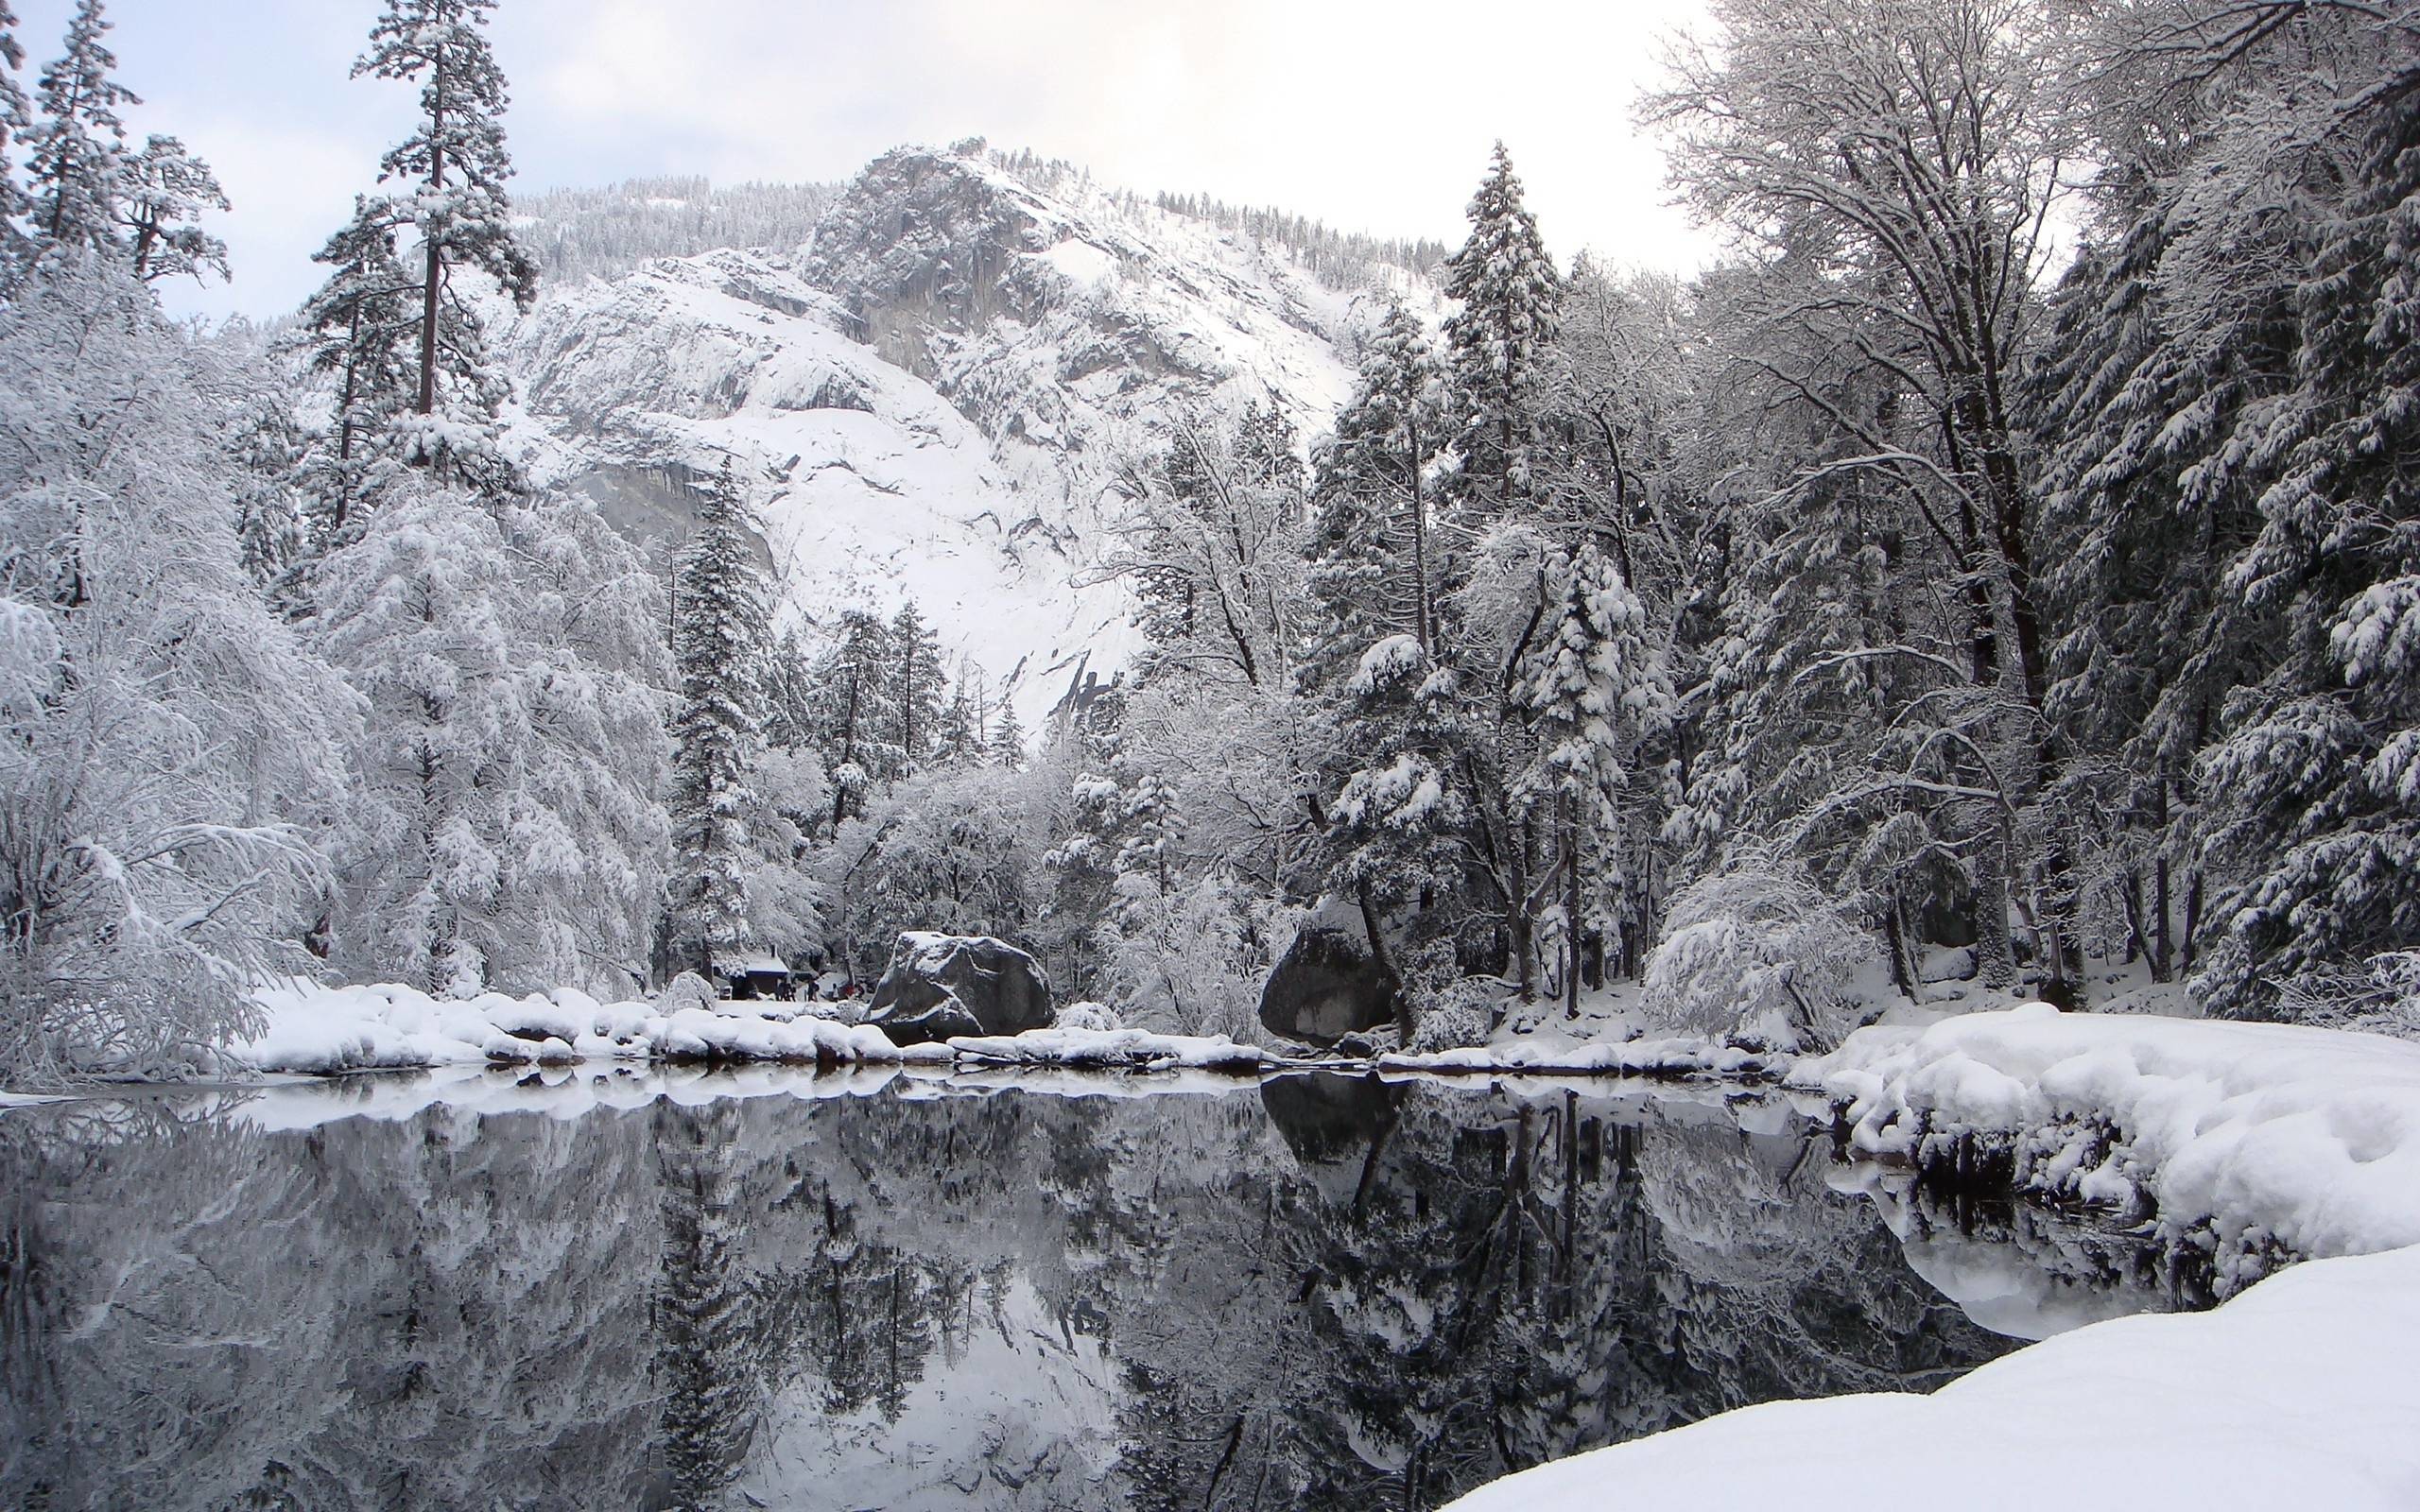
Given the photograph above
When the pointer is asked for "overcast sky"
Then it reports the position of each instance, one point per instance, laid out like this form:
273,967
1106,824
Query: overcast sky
1370,114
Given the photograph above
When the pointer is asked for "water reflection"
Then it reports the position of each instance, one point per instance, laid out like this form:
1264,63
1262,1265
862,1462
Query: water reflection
914,1294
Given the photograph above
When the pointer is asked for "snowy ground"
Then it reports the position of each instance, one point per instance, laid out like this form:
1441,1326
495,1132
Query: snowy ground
2297,1393
2247,1139
2241,1138
323,1030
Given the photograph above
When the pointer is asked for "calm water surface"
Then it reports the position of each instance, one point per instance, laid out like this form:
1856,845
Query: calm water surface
778,1291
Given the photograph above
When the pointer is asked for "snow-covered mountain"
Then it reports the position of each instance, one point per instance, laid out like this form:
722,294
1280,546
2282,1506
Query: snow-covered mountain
936,391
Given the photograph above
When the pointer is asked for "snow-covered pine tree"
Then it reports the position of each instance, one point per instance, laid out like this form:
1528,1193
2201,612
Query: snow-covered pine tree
1008,739
2148,493
1400,819
162,193
961,735
792,706
355,330
16,119
77,153
855,724
919,691
718,640
1372,570
2315,787
268,446
1497,347
1596,689
457,165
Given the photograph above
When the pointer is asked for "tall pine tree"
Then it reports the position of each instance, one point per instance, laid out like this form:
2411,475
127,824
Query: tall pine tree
16,119
457,165
719,644
1373,571
77,151
1497,346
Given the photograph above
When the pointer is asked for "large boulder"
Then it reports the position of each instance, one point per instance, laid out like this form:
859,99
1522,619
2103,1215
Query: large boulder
939,987
1329,984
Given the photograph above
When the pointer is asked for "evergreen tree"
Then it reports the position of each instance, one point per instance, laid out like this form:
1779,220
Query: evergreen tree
917,695
457,165
962,732
161,192
1008,739
355,330
1497,345
719,644
77,154
270,447
854,683
1371,573
16,120
2315,787
1596,689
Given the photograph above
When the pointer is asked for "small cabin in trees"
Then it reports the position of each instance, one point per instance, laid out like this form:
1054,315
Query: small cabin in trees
759,977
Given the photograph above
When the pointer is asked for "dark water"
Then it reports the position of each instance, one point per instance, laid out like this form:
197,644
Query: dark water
762,1292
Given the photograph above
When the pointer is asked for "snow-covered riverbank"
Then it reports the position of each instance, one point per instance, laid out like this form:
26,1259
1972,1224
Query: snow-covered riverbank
323,1030
2250,1141
2297,1393
2242,1139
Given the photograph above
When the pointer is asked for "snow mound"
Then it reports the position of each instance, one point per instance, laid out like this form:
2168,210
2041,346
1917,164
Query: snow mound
327,1029
2253,1136
1680,1055
2295,1394
1129,1049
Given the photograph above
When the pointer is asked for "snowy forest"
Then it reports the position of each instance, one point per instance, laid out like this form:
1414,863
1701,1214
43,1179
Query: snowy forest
2007,551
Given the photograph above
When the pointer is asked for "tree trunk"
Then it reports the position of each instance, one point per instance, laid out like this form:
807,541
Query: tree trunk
1518,924
1994,956
436,273
1571,907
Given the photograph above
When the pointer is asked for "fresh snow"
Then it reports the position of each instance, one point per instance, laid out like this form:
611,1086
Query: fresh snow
322,1029
1677,1056
2247,1135
1113,1048
2297,1393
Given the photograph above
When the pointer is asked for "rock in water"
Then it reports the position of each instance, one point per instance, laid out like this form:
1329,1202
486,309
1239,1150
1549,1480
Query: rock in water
939,987
1328,985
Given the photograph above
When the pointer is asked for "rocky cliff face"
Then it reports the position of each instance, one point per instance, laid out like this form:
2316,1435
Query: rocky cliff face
936,392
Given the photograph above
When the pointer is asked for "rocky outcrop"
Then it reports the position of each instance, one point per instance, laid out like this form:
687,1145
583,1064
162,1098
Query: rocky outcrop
939,987
1329,984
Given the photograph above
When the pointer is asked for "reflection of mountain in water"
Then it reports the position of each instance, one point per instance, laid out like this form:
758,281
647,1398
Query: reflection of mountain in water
1334,1293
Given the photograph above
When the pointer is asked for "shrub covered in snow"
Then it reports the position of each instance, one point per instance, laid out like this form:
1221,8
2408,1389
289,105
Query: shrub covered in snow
1449,1011
687,990
1758,951
1096,1016
1453,1015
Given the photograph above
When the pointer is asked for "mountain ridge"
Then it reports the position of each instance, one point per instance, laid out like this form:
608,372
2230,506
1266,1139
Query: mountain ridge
936,391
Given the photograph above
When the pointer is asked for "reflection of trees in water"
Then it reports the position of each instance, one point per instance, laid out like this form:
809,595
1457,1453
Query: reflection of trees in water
707,1377
1335,1294
1490,1286
365,1315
